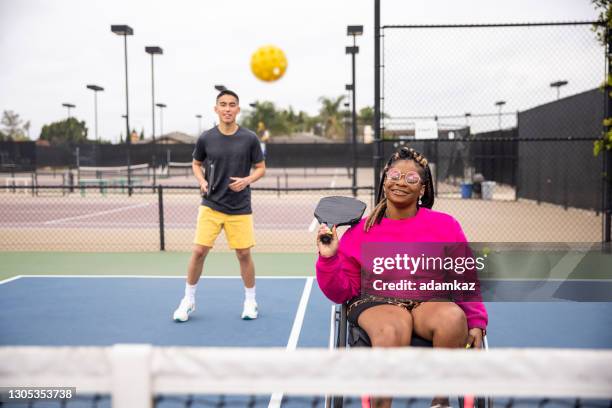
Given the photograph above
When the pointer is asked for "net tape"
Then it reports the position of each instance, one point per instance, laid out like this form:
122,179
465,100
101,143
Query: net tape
133,374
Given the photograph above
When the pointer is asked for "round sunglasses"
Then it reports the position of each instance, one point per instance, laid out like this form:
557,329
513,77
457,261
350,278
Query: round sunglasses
411,177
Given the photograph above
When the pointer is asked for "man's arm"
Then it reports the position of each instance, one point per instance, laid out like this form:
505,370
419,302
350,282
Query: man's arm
198,172
259,172
240,183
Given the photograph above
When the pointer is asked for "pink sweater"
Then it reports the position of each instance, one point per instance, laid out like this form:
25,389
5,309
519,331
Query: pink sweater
339,276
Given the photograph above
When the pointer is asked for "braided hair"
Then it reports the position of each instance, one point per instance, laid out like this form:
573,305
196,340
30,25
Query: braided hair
427,200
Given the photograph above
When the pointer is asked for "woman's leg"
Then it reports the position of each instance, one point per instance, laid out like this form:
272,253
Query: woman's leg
387,326
443,323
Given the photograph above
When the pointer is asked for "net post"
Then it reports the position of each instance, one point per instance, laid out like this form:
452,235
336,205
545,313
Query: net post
131,376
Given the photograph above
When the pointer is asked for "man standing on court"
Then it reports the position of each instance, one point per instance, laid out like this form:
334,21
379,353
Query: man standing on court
227,152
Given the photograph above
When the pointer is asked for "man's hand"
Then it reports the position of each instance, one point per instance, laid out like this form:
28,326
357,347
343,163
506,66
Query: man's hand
203,187
239,183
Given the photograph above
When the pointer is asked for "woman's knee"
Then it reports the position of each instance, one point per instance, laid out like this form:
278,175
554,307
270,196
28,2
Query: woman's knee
452,319
390,335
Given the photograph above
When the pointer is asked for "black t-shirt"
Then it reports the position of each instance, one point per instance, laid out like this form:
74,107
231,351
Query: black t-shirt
226,156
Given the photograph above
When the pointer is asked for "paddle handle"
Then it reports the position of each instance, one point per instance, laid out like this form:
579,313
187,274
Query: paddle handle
326,239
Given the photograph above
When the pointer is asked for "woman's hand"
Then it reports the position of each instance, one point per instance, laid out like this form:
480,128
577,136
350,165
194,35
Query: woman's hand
327,250
475,336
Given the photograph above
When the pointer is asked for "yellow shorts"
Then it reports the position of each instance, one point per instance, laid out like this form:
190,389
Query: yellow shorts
238,228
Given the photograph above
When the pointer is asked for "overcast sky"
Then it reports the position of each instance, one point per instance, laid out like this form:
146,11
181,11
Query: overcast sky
52,48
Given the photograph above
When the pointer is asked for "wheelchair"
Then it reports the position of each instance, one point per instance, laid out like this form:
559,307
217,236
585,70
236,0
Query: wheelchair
345,334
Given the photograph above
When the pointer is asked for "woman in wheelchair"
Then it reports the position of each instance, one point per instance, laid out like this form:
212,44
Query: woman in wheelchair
402,214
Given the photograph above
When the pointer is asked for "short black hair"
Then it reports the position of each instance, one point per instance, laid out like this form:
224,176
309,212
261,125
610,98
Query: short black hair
228,92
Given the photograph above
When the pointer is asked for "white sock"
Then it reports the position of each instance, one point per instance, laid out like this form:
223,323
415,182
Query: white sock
190,291
249,294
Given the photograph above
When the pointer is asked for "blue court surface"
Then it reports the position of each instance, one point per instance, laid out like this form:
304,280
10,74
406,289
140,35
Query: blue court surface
100,311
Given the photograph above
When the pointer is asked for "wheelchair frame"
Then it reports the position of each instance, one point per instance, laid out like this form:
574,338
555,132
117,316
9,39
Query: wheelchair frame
339,336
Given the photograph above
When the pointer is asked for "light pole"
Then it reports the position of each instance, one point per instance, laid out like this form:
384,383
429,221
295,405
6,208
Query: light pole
199,124
126,30
558,85
96,89
467,122
347,116
161,107
153,50
124,118
354,31
68,106
467,118
499,105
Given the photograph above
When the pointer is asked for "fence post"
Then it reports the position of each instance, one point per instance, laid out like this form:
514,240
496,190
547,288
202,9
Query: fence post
160,202
516,169
607,204
565,192
378,135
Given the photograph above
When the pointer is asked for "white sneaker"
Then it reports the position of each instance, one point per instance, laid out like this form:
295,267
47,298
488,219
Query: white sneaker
181,314
249,311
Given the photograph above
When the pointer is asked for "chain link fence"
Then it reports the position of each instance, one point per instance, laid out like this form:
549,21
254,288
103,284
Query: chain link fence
99,218
506,111
474,79
105,218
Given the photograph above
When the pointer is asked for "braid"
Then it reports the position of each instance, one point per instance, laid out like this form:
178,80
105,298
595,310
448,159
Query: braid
403,153
376,215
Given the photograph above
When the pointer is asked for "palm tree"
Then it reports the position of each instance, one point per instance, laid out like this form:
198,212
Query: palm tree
331,115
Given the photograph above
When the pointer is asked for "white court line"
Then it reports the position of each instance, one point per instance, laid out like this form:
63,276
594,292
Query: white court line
277,397
10,279
299,315
158,276
561,270
97,213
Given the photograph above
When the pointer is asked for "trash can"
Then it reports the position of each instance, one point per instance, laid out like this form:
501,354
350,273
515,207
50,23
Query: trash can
488,187
477,188
466,190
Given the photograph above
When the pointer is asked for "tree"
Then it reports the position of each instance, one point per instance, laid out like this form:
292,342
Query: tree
331,116
276,121
366,116
66,131
13,127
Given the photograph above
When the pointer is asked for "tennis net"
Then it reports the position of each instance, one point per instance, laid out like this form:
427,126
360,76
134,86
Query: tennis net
176,169
106,172
131,376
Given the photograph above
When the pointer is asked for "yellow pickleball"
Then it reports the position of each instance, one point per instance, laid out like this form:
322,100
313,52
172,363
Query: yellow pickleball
268,63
